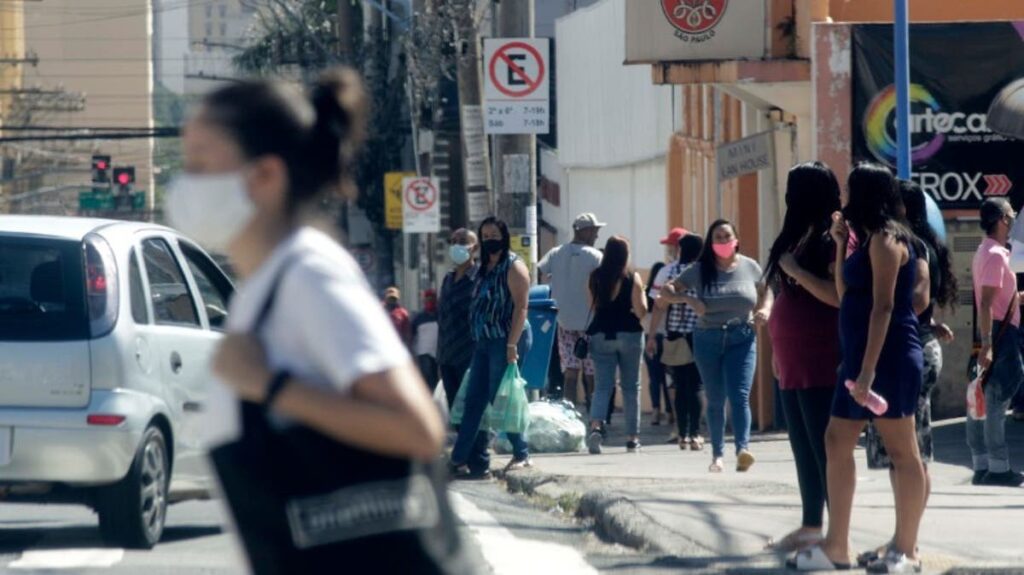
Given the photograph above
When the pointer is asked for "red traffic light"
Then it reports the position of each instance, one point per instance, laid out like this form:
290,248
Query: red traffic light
101,165
124,178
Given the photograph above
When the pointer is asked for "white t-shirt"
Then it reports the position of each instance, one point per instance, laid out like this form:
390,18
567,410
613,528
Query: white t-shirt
570,266
425,342
326,327
659,282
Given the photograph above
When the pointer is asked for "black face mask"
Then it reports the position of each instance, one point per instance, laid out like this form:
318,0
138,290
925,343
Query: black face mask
492,247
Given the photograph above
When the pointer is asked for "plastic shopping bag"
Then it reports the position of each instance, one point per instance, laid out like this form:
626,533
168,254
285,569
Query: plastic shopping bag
510,411
459,405
976,400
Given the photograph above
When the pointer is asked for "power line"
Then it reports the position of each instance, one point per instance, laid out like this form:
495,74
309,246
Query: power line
157,133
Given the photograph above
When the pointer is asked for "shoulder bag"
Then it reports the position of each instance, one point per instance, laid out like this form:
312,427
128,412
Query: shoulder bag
303,502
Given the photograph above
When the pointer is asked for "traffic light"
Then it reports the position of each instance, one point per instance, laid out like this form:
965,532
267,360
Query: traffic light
100,169
124,178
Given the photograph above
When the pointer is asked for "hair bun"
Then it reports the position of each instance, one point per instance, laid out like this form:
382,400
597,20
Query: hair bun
339,102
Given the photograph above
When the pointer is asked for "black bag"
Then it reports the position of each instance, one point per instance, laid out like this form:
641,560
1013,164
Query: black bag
581,349
305,503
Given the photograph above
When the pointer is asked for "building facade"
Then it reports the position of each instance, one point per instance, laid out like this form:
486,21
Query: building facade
216,30
94,70
780,68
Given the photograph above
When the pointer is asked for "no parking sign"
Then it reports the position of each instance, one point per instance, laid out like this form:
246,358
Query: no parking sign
421,206
516,86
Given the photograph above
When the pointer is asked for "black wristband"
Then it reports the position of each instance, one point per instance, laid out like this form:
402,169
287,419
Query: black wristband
275,386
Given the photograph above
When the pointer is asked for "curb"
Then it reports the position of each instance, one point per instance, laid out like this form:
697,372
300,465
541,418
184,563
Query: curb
615,518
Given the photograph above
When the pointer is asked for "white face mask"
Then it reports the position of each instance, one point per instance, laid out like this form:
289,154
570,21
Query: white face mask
212,209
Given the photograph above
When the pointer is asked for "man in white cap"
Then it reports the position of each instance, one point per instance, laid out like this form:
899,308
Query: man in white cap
567,268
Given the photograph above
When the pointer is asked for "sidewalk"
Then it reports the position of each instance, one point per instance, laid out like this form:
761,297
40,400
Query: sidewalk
679,508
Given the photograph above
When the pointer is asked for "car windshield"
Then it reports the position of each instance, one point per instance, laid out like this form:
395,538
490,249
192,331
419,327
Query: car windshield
42,295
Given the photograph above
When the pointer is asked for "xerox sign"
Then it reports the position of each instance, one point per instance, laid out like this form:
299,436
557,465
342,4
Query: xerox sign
956,158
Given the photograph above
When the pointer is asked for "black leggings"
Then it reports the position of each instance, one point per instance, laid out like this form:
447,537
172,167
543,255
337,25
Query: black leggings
451,376
689,399
807,413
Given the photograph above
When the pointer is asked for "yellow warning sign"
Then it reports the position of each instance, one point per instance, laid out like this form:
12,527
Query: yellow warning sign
393,199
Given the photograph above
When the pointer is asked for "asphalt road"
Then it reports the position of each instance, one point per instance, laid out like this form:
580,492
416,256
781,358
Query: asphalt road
508,537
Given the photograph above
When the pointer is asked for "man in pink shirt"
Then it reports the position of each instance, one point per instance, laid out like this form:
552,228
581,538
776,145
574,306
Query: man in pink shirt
996,297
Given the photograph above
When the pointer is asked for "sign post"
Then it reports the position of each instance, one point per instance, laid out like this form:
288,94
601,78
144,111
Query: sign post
517,86
421,206
393,199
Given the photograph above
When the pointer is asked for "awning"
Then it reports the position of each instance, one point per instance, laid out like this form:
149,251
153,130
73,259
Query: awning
1006,114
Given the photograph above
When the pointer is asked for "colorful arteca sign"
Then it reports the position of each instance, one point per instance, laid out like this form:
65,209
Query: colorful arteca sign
956,158
694,20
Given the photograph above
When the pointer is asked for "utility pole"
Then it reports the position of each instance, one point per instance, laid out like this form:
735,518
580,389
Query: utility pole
517,207
478,200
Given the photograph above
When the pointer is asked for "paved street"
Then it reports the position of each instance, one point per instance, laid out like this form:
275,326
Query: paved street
508,538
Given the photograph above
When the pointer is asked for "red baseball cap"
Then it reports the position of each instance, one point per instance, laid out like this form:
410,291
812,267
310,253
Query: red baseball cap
674,236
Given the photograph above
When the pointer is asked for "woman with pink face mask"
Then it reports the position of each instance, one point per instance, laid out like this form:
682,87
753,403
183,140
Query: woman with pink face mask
734,302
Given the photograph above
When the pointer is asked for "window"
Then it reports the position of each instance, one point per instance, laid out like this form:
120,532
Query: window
214,288
42,290
140,313
172,301
223,29
209,11
223,10
209,29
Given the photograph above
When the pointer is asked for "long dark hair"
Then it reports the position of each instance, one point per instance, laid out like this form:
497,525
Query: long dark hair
875,202
917,216
506,241
657,267
613,268
317,135
708,267
812,196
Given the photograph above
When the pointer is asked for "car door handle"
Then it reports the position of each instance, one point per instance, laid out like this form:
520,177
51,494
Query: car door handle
176,362
192,407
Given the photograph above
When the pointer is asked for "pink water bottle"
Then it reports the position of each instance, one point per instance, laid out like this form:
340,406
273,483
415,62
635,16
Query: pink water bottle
876,403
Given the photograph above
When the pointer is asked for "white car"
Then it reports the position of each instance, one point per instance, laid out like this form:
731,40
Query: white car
106,331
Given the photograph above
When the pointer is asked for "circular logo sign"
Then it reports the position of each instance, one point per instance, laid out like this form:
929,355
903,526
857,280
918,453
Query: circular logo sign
694,16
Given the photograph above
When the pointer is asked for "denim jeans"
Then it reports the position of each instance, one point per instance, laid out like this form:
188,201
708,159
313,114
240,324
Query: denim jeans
490,360
987,439
726,358
622,352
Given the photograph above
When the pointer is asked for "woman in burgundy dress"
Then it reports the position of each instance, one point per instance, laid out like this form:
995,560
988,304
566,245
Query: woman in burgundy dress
804,327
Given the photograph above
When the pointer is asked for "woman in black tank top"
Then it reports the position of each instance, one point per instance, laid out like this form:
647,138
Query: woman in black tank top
616,339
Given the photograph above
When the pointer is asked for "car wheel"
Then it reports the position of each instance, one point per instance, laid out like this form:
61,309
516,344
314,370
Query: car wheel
132,512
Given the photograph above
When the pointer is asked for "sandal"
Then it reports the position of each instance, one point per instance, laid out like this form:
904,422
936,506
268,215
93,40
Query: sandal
814,559
696,443
717,465
895,562
868,557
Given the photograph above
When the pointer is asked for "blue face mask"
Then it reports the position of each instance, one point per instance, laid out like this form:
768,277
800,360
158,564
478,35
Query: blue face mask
459,254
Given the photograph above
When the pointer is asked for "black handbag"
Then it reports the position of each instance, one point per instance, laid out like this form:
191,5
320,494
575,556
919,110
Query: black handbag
304,503
581,349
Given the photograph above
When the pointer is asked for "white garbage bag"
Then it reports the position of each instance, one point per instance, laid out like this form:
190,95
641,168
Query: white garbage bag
555,427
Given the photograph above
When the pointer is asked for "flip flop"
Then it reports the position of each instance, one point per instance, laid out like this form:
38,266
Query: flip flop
814,559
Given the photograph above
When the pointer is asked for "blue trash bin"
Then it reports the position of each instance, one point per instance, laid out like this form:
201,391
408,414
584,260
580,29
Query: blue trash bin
542,313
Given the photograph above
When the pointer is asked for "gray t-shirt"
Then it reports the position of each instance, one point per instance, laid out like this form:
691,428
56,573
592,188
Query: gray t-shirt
569,267
731,297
